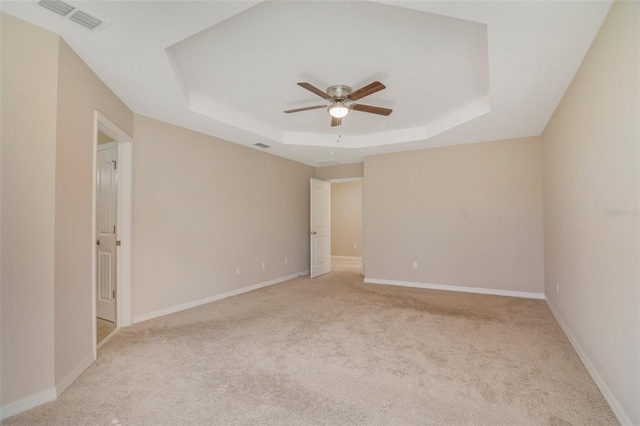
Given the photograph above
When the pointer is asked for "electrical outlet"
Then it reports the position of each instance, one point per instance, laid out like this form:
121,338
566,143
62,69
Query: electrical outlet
237,270
264,265
558,288
415,265
355,246
286,260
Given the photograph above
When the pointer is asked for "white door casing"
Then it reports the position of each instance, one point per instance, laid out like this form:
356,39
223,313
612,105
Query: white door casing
320,227
124,253
106,218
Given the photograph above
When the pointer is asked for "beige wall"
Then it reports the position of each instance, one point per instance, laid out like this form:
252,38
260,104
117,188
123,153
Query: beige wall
80,94
470,215
346,219
29,86
340,171
47,180
203,206
590,157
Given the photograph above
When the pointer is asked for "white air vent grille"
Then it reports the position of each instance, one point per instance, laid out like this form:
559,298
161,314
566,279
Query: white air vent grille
85,20
74,14
261,145
327,163
57,6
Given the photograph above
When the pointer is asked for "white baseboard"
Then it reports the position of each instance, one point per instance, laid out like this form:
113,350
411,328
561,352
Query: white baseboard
188,305
347,257
74,374
510,293
606,392
27,403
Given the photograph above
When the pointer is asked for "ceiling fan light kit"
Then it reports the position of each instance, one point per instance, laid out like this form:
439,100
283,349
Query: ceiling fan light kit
342,98
338,110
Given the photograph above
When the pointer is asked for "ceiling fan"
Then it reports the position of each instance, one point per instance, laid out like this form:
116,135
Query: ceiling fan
342,98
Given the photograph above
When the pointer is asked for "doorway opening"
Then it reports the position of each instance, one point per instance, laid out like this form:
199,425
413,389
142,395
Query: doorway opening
106,236
111,243
336,224
346,221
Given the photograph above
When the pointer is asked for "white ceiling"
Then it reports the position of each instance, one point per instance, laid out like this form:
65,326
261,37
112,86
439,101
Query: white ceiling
456,71
436,69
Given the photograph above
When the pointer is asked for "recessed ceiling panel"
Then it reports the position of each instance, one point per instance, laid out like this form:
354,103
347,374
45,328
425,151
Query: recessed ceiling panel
243,71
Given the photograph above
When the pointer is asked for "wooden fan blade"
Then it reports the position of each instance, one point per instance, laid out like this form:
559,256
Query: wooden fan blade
372,109
367,90
315,90
305,109
335,121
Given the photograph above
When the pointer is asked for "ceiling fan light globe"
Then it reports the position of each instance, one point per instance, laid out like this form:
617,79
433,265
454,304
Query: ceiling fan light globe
338,110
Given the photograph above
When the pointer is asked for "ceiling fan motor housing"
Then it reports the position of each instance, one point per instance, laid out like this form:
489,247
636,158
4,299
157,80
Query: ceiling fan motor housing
339,91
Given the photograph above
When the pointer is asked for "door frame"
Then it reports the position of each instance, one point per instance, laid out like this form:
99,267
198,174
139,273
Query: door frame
124,220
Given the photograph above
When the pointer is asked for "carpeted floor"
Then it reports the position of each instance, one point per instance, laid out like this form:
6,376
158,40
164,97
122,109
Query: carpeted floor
336,351
103,328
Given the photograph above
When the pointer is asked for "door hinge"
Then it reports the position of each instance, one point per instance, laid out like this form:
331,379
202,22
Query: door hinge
115,164
114,294
118,243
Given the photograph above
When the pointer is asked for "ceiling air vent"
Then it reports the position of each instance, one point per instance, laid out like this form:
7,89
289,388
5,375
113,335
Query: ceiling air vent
74,14
327,163
261,145
56,6
86,20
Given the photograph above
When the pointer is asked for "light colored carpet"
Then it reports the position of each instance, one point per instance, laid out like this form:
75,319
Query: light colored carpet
336,351
103,328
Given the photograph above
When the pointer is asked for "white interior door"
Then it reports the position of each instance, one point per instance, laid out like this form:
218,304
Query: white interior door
106,213
320,227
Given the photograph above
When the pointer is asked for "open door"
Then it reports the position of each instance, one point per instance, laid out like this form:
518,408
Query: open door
106,197
320,227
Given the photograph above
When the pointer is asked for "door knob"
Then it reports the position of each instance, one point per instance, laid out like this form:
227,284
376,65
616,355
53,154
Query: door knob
312,233
97,242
